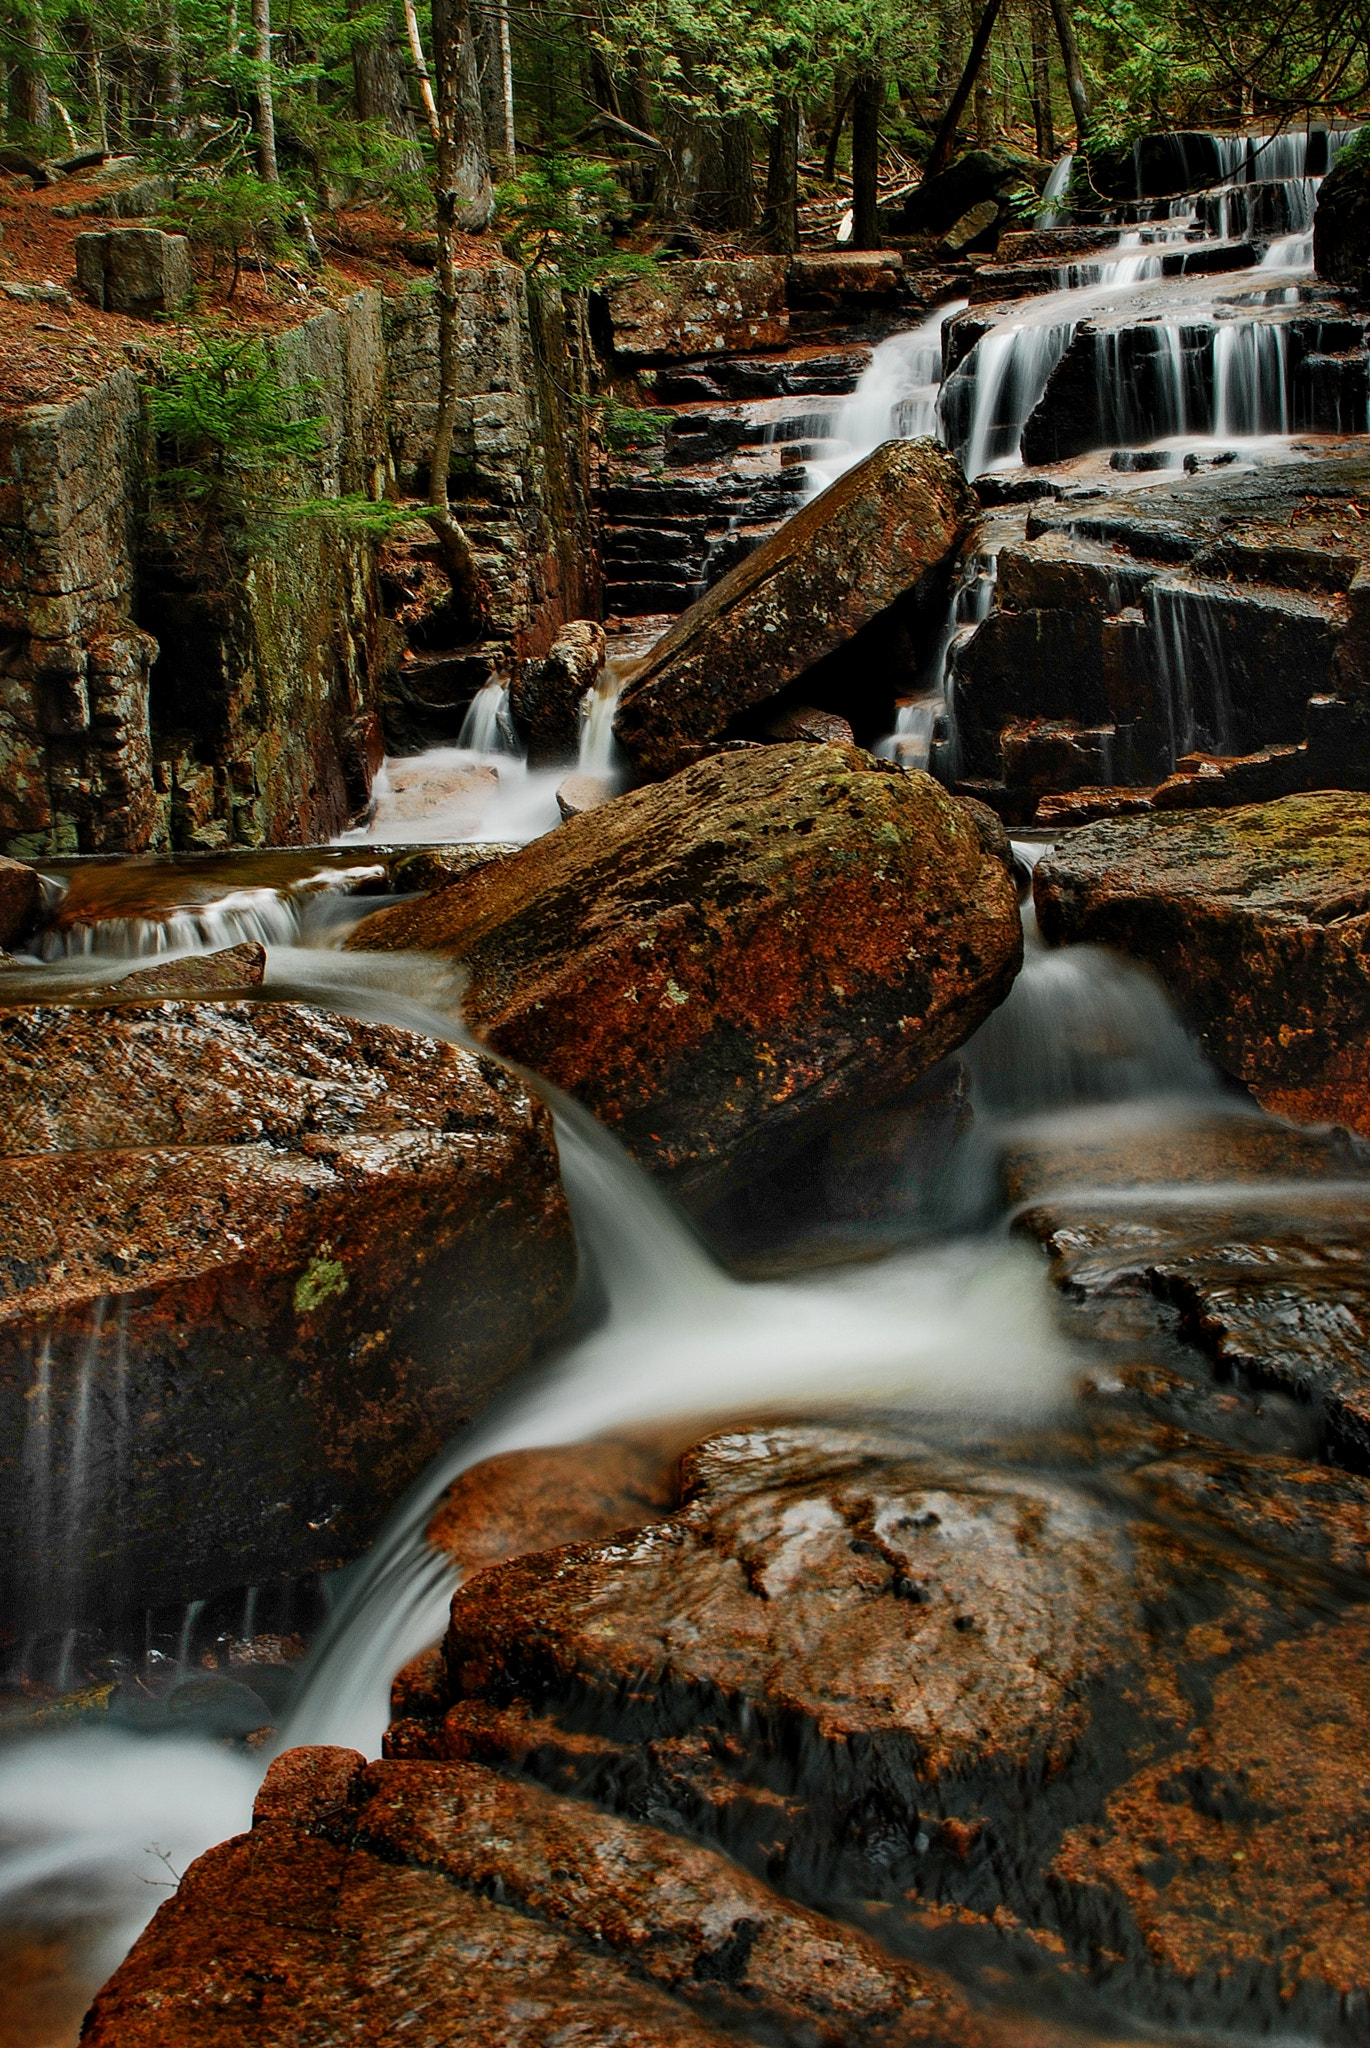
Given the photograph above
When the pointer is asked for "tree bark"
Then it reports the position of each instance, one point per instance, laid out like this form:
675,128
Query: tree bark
380,92
30,102
782,178
727,181
464,201
946,134
841,101
265,101
678,167
1042,117
1075,71
868,100
430,105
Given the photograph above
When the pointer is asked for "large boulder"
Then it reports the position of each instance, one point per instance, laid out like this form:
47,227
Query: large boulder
1258,921
259,1263
721,964
443,1903
882,536
980,175
1341,224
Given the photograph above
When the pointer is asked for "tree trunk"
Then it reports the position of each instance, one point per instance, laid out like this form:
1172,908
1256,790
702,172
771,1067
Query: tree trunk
782,178
679,168
1075,72
464,201
1042,118
380,91
265,102
946,134
430,105
868,101
30,102
727,186
842,98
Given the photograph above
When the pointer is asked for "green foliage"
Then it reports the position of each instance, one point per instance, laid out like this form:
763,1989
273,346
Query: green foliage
623,428
229,425
232,216
552,217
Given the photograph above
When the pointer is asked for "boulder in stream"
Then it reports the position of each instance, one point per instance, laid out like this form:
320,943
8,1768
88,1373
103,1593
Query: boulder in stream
721,965
875,549
260,1263
1258,921
21,898
1341,224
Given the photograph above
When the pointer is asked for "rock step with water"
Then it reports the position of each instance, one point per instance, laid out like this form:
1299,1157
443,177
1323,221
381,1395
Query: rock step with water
1253,1230
644,956
261,1262
874,552
1204,635
1257,920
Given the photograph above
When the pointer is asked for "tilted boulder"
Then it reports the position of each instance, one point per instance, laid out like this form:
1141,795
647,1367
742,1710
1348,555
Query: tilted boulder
719,964
274,1259
1258,921
883,536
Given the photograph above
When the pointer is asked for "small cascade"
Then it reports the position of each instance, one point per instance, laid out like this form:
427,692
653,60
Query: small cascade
300,913
986,403
1250,378
1054,187
1193,668
895,397
598,753
488,727
924,733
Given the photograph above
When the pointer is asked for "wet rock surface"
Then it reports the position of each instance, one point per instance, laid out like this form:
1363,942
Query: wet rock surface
525,1917
290,1249
1255,918
878,542
1200,642
644,956
21,896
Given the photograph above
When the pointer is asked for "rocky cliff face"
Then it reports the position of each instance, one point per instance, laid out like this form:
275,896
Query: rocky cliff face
149,702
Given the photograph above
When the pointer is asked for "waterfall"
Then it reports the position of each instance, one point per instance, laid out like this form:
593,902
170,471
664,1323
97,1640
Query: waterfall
1250,378
296,915
895,397
598,752
986,403
1193,658
488,727
1054,187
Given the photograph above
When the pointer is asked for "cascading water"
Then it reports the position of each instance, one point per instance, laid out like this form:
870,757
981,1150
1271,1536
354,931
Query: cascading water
1193,666
985,405
895,397
488,727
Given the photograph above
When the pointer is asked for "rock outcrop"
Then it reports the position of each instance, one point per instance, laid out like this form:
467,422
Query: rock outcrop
260,1263
879,541
721,964
699,308
1341,225
1257,919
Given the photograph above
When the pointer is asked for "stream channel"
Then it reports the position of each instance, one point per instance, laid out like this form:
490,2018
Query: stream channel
932,1318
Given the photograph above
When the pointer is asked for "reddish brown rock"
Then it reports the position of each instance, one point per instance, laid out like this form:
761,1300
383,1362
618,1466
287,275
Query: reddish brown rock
883,535
1258,921
719,965
567,1493
1242,1857
709,307
448,1906
196,974
545,696
21,897
285,1254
